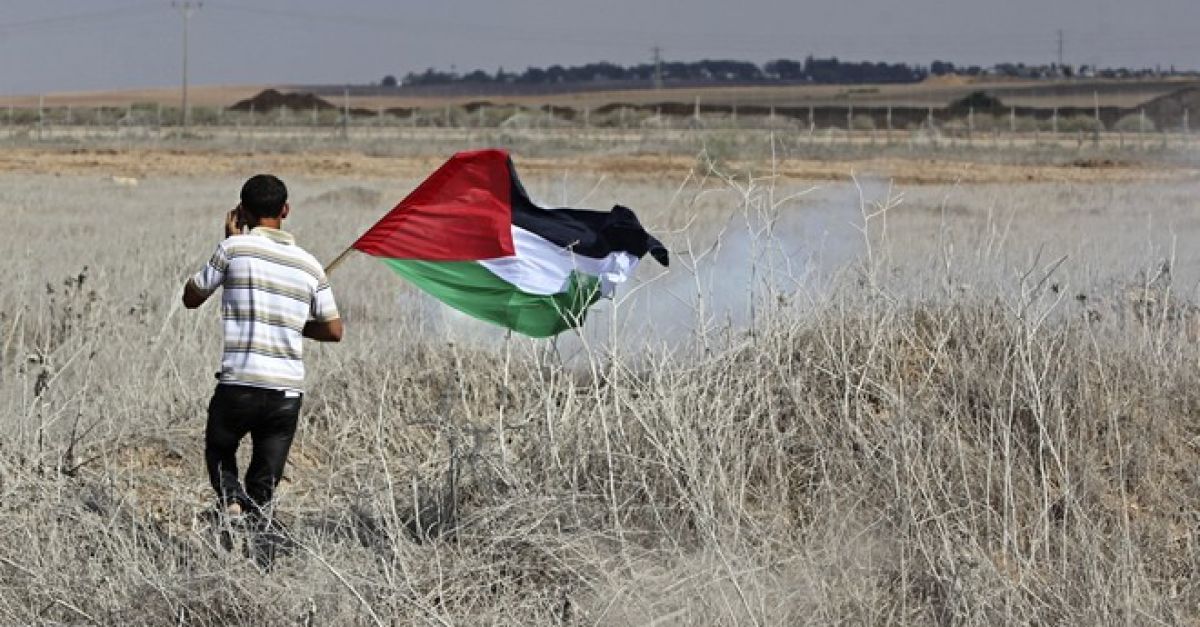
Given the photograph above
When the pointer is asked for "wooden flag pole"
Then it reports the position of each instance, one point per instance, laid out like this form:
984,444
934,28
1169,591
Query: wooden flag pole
337,260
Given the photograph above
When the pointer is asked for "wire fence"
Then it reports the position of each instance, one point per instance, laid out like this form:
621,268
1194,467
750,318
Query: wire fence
611,126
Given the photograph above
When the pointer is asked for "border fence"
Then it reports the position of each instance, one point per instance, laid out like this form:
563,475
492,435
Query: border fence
929,127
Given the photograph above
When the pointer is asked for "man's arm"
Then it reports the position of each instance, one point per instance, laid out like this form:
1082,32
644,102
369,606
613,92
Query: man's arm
324,325
207,280
327,331
192,296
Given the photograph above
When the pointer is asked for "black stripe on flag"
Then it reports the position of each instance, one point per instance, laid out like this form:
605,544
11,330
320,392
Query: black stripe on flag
594,234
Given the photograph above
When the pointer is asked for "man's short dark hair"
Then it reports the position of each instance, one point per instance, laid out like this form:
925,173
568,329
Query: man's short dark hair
264,195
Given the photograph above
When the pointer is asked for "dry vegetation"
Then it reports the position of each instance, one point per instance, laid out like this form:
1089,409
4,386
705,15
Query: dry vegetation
836,408
411,157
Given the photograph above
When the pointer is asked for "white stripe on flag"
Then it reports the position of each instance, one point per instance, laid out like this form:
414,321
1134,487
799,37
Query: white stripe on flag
543,267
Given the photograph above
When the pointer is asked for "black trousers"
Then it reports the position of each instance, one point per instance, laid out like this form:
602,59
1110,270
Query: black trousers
270,417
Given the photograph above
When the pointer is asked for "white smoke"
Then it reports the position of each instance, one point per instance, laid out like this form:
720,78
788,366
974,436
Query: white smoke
726,274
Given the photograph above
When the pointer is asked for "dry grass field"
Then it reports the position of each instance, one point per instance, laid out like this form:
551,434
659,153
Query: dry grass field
923,395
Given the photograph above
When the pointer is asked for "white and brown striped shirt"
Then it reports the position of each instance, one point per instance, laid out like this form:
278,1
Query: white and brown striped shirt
272,288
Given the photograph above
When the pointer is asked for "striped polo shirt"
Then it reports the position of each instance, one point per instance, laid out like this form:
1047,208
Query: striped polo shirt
272,288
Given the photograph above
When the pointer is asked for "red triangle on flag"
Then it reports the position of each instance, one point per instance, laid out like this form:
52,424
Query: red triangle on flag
462,212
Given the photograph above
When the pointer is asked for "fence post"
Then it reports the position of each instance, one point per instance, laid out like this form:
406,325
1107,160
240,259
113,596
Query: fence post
812,121
1054,123
316,116
346,113
1096,108
850,124
1187,131
1141,128
929,123
41,116
587,117
970,123
1012,126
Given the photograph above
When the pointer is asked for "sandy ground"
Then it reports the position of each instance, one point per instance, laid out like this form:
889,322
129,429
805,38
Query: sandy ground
934,92
198,96
142,163
928,93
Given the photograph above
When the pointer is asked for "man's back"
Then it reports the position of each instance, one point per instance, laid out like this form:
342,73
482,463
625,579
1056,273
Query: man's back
272,288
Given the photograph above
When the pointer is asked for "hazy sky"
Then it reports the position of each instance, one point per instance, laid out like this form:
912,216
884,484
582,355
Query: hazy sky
65,45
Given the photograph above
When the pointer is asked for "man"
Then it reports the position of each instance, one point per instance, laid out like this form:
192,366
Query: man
275,294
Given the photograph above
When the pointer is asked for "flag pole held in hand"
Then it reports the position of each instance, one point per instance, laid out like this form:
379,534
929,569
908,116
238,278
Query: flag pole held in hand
338,260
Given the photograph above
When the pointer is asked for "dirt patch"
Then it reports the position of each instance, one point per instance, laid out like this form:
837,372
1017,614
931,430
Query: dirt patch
270,100
950,80
146,164
1096,163
1174,106
979,100
157,454
354,195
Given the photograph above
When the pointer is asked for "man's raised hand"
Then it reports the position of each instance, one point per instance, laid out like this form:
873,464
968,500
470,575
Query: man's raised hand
233,222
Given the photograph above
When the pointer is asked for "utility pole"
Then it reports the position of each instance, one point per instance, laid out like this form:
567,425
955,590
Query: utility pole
1060,50
186,9
658,81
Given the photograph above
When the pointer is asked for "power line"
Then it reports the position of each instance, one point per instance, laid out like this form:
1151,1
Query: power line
91,17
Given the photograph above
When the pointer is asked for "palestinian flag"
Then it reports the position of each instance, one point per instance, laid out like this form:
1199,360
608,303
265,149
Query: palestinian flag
471,237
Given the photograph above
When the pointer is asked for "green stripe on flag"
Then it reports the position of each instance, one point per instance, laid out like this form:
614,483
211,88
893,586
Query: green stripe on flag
475,290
